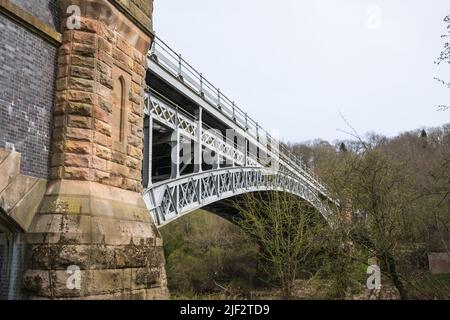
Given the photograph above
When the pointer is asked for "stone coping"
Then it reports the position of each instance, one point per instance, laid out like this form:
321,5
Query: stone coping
96,190
30,22
135,15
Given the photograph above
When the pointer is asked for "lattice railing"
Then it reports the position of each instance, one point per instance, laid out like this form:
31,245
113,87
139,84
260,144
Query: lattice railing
167,114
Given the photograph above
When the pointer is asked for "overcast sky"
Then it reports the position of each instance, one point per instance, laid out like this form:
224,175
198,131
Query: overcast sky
296,65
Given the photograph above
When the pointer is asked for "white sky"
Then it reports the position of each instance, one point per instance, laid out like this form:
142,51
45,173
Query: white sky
295,65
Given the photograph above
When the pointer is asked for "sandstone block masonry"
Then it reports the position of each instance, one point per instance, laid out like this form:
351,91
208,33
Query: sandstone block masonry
93,216
98,115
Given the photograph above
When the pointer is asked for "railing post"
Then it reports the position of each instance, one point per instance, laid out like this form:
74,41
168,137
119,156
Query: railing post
246,122
257,132
218,99
179,65
234,111
201,84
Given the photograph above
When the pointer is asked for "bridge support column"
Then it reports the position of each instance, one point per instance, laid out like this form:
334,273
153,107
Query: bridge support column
93,237
216,164
175,158
198,152
149,150
246,153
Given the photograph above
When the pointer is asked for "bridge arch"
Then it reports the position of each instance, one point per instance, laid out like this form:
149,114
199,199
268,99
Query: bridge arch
170,200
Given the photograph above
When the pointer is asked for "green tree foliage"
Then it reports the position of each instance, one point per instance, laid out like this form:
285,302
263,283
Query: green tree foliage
206,254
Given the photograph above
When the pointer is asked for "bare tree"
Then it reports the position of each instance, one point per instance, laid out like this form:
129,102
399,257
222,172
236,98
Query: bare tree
444,58
283,225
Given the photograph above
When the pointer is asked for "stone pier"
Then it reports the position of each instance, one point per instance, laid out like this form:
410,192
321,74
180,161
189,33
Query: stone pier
93,237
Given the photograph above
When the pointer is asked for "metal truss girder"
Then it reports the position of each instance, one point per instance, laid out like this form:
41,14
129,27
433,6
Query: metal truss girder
168,115
172,199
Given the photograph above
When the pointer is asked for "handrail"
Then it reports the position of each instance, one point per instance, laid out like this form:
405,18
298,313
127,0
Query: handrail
163,54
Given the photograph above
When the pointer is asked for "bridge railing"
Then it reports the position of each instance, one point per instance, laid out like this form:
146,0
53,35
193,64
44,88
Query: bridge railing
174,62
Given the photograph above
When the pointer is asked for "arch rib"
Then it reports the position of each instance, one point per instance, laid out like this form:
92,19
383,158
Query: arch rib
172,199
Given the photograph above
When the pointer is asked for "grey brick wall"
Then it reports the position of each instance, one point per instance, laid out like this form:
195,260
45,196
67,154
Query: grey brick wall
27,77
45,10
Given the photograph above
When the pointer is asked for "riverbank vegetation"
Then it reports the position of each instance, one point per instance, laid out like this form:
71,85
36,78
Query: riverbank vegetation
394,210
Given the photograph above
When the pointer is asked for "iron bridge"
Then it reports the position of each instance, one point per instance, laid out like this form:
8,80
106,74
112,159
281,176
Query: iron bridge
181,106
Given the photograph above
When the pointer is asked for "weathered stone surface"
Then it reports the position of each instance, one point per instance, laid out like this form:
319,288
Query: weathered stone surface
105,231
102,139
105,104
81,134
134,141
36,283
9,169
103,127
79,84
79,121
133,163
102,152
82,72
80,61
119,157
101,176
98,163
77,160
25,209
79,147
102,115
82,37
76,173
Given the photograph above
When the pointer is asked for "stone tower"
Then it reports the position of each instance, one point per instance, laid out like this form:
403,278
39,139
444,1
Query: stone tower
92,236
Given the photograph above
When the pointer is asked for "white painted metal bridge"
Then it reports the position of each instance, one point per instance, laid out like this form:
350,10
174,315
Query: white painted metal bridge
181,108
